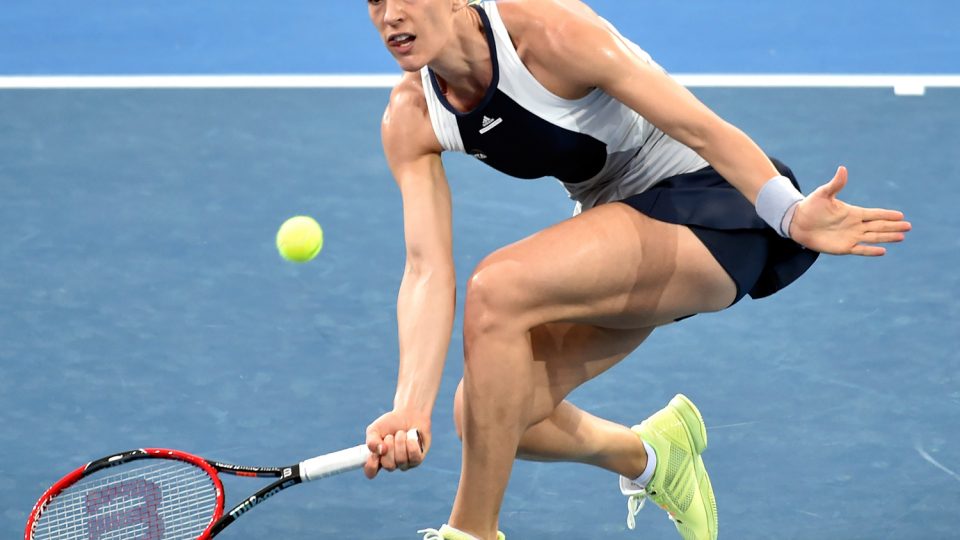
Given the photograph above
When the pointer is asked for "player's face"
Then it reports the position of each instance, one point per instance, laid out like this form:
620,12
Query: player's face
414,31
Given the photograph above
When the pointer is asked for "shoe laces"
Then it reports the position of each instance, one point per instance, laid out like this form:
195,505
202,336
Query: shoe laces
430,534
636,499
635,503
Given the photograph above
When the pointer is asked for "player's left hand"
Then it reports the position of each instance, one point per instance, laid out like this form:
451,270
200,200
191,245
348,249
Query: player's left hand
828,225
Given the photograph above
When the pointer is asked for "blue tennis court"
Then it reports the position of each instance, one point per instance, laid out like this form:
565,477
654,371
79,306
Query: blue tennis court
144,304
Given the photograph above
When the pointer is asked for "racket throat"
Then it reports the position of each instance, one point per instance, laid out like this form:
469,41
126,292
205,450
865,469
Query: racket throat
291,477
258,498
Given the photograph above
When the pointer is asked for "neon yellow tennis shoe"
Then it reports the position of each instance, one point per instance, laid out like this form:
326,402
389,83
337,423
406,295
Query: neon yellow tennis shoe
447,532
680,484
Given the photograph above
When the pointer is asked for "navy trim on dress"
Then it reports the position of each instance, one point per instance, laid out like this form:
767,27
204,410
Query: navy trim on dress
491,90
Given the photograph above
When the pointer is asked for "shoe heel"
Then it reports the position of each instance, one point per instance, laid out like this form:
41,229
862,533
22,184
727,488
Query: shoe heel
694,421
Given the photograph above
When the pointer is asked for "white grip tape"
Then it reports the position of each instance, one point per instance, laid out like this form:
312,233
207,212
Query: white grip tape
341,461
334,463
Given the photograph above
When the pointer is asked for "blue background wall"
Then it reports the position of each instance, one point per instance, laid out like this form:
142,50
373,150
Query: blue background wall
334,36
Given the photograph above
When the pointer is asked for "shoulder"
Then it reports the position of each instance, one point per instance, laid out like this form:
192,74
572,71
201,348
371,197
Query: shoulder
552,24
407,99
564,35
406,127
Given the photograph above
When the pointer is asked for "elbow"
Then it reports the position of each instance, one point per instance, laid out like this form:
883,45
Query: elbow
437,269
425,279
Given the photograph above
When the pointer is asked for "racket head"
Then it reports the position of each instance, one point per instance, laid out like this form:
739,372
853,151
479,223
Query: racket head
144,494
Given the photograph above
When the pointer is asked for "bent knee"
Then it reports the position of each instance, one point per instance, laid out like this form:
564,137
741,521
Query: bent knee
496,285
496,298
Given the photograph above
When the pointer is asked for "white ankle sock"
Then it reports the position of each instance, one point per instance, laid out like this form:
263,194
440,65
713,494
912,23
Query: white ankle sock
462,534
651,467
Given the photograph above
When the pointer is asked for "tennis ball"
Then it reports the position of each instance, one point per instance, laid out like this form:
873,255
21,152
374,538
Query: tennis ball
299,239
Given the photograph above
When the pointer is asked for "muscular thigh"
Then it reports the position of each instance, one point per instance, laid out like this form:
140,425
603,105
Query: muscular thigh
566,355
612,267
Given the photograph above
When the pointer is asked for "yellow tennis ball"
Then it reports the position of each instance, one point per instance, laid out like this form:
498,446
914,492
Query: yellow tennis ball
299,239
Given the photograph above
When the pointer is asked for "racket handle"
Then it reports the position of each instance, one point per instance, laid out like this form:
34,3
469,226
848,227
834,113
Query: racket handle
337,462
334,463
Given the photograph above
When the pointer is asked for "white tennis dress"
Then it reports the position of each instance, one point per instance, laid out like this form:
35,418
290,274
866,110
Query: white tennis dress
598,148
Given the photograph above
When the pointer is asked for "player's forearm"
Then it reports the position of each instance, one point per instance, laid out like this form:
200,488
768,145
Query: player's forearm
425,313
737,158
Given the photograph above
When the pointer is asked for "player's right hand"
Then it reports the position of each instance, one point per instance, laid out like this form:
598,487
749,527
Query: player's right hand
396,440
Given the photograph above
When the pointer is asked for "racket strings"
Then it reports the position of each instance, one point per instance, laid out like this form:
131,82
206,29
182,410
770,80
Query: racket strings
140,500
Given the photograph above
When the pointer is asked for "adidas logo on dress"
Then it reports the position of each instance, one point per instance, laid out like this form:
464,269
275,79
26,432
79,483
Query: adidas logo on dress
489,123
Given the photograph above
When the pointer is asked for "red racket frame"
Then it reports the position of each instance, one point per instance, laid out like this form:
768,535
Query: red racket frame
107,462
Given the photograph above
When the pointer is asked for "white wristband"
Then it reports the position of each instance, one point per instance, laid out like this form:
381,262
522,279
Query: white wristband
777,202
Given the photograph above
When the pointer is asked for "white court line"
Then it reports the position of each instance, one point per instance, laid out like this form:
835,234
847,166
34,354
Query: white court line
923,453
197,81
902,84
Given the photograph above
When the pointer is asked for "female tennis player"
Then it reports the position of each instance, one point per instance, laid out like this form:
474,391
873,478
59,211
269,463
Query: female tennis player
677,213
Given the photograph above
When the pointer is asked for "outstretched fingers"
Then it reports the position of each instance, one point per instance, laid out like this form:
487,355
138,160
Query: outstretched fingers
825,223
882,214
886,226
867,250
882,238
880,226
882,231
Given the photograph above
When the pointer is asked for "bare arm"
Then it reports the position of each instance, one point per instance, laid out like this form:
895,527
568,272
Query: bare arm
576,43
426,301
425,304
590,54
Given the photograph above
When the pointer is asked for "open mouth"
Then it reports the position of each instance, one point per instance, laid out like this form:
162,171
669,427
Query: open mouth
401,41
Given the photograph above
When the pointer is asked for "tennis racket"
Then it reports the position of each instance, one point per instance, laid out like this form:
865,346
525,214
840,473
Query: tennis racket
162,494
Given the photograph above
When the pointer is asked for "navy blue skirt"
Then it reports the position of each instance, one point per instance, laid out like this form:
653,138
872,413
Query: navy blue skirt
760,261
